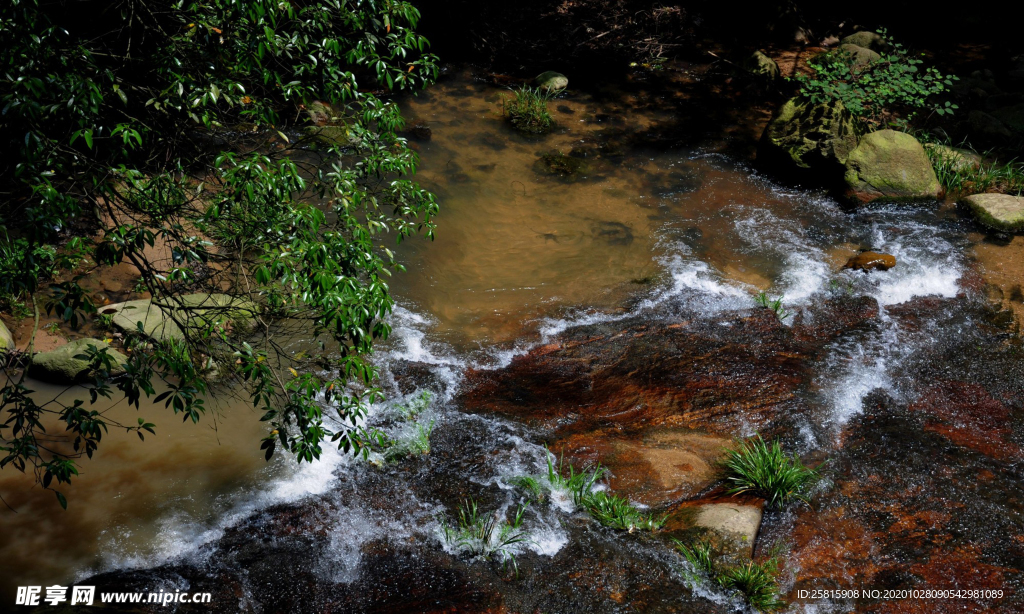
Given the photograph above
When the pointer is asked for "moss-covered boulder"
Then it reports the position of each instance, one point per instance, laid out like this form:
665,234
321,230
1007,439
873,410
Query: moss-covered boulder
341,136
761,66
859,56
67,365
6,339
867,40
551,81
999,211
161,320
890,166
805,136
954,158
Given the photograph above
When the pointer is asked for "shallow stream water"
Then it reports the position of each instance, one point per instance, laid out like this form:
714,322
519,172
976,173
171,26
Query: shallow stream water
644,236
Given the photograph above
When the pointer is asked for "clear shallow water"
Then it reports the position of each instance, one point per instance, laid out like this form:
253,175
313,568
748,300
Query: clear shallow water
519,258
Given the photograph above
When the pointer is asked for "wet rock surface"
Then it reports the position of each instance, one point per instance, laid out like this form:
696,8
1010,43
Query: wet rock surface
871,261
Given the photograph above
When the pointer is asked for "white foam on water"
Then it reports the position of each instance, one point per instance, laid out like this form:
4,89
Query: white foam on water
926,264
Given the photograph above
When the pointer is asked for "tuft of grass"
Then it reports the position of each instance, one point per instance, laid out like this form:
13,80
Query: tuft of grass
757,581
761,468
535,491
527,109
416,443
961,179
415,407
486,536
610,510
774,305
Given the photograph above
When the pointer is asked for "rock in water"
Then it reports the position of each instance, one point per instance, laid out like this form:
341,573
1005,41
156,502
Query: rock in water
196,310
6,339
809,136
999,211
551,81
871,261
61,366
760,65
867,40
891,166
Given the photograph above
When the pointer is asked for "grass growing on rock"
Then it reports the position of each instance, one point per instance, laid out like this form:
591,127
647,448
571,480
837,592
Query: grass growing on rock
757,581
527,109
763,469
960,179
486,536
609,509
775,305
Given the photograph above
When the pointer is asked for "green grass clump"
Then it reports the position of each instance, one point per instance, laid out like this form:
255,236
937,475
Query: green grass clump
418,442
963,179
765,470
775,305
609,509
527,109
757,581
486,536
415,407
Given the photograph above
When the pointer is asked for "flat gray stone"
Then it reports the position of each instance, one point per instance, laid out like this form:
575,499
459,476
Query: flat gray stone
62,366
6,339
738,522
196,311
999,211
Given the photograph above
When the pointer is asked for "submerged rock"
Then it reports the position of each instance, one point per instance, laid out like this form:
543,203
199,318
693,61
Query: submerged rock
871,261
807,136
565,167
999,211
891,166
62,366
161,321
6,339
551,81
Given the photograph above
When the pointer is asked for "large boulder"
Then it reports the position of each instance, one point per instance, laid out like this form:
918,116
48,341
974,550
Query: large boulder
999,211
891,166
64,365
6,339
867,40
806,136
161,320
551,81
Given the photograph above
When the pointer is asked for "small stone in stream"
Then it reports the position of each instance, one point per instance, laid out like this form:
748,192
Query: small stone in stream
999,211
871,261
420,131
62,365
563,108
551,81
739,523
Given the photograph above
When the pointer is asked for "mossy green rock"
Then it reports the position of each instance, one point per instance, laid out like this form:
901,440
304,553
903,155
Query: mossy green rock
759,64
6,339
999,211
867,40
63,365
809,136
551,81
332,135
859,56
891,166
195,311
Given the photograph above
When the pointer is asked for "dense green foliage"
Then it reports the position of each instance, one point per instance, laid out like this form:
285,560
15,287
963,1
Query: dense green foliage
887,92
763,469
169,126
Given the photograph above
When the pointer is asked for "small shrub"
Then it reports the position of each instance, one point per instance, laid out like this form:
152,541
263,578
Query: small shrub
527,109
763,469
889,91
486,536
774,305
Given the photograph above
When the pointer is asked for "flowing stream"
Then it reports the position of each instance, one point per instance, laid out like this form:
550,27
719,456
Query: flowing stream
644,235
